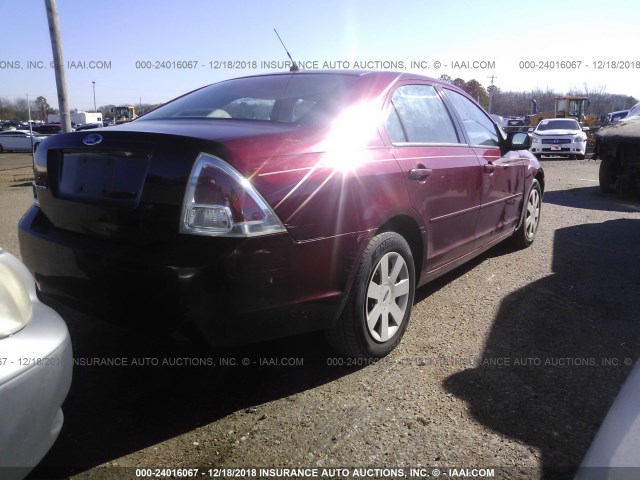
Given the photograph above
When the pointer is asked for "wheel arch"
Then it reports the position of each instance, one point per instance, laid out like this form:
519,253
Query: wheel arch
407,227
539,176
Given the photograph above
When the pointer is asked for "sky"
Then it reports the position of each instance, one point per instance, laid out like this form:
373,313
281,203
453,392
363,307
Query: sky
138,51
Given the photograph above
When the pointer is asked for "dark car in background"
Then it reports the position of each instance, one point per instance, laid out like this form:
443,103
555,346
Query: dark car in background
88,126
618,148
9,125
613,117
278,204
48,128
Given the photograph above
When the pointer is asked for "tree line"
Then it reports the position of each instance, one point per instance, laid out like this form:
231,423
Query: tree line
509,103
18,109
505,103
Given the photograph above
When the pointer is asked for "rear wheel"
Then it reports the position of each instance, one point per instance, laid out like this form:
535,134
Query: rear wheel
379,305
1,149
526,234
606,176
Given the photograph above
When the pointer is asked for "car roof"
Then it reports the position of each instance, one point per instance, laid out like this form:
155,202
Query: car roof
379,74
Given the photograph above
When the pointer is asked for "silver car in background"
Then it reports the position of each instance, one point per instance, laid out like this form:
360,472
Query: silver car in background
35,371
19,140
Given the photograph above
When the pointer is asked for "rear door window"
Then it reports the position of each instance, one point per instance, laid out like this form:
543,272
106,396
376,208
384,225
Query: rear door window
418,115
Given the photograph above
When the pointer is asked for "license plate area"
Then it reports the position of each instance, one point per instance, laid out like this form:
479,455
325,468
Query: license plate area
556,147
105,178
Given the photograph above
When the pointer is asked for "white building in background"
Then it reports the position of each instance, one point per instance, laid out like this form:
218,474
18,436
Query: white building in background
77,117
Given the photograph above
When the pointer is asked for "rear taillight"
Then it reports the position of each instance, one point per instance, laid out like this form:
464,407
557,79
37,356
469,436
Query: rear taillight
220,201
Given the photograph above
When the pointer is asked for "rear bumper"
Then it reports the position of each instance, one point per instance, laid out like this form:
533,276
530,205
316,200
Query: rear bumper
236,290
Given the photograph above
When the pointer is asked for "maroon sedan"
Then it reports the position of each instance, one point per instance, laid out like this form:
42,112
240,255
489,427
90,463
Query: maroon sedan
277,204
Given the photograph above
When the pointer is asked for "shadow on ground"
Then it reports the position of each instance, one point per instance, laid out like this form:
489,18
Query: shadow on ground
561,347
112,411
591,198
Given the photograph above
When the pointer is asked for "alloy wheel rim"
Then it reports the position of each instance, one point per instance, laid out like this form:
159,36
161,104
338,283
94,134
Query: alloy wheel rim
387,297
533,213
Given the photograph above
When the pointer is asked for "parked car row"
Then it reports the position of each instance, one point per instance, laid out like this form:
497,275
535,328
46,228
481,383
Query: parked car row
15,125
50,128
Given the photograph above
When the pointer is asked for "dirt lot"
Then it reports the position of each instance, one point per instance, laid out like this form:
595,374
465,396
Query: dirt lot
509,362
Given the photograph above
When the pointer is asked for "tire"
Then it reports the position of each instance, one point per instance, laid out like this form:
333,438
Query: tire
580,157
606,176
538,156
526,233
1,149
379,305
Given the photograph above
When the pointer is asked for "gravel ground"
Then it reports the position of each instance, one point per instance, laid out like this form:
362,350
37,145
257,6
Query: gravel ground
509,362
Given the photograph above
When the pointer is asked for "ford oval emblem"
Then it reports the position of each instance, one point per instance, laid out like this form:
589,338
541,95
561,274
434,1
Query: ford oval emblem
92,139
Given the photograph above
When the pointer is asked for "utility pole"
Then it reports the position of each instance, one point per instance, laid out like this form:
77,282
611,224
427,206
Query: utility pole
30,127
491,92
95,109
61,80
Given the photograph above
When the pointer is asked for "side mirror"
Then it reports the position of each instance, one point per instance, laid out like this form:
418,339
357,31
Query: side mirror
530,129
520,141
585,129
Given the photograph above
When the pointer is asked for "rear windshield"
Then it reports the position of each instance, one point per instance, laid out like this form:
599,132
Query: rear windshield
278,98
558,125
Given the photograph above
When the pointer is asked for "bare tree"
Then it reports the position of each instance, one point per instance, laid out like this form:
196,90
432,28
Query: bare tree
43,107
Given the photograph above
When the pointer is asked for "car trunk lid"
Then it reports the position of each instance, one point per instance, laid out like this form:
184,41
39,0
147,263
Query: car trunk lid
126,187
129,183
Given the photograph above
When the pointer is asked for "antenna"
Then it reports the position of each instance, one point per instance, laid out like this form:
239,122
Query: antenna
294,67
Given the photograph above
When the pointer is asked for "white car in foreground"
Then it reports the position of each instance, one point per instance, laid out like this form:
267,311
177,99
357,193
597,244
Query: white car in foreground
614,451
35,371
559,137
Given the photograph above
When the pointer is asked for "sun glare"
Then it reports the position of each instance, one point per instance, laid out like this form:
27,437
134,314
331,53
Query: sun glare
345,147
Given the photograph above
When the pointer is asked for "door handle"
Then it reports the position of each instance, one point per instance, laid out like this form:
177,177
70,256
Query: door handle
489,168
419,173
